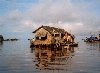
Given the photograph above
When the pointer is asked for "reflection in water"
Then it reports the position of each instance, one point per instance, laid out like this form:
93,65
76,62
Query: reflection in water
1,43
93,46
99,46
53,58
15,57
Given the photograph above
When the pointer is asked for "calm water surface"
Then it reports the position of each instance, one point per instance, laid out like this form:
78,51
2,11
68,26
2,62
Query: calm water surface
17,57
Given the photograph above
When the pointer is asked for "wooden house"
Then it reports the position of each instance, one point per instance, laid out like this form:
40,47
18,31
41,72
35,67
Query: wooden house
1,38
51,35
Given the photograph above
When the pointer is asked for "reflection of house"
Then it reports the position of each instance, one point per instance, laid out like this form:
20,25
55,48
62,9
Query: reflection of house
50,57
1,38
51,35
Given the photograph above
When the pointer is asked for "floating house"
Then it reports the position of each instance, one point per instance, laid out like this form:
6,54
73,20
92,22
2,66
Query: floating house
51,35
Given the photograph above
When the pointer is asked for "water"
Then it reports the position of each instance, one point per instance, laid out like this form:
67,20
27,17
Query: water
17,57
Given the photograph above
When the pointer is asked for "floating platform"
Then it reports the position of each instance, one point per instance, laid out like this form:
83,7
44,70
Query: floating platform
54,45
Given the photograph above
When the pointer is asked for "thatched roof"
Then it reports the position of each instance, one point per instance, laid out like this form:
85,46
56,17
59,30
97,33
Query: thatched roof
51,29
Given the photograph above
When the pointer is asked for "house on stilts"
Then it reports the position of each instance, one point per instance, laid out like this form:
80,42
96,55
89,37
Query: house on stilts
46,35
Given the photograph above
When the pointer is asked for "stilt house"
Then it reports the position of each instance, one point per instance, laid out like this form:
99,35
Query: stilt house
51,35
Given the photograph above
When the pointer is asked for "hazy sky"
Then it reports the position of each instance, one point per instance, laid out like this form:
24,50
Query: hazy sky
18,18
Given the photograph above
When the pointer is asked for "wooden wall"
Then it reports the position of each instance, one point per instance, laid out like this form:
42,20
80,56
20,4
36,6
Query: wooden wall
43,31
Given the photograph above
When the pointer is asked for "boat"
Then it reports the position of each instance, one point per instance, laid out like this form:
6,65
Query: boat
91,39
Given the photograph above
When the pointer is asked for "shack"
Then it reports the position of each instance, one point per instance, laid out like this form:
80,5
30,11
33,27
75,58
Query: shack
1,38
50,35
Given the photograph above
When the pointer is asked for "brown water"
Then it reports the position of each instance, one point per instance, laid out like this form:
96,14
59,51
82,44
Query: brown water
17,57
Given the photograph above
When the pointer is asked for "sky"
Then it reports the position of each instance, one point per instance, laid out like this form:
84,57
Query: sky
18,18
